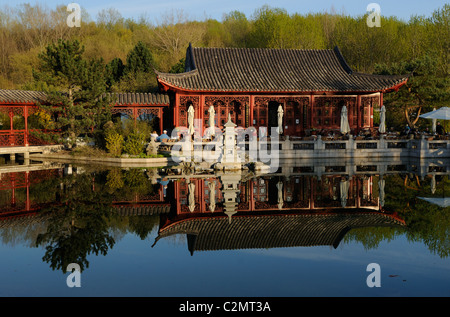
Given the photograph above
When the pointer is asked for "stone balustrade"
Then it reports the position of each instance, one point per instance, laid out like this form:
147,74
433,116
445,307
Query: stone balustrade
319,148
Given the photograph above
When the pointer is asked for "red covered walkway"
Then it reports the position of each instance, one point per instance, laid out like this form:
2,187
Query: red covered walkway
19,105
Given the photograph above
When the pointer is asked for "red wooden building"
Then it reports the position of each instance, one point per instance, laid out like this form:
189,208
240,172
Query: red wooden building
247,83
18,106
251,83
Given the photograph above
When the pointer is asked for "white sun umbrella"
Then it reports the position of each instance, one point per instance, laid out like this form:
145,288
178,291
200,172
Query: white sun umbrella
280,119
344,186
381,184
191,119
441,202
191,188
345,127
433,126
382,127
280,195
212,195
442,113
433,184
212,124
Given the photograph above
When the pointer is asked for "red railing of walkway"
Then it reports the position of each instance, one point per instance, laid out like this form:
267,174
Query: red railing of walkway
10,138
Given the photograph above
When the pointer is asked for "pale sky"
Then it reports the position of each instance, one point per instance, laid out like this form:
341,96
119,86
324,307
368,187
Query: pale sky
201,9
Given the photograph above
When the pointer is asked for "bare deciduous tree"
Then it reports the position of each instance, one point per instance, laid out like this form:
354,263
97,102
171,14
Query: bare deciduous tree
173,35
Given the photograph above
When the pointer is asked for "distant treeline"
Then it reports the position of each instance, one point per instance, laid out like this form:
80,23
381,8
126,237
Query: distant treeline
25,30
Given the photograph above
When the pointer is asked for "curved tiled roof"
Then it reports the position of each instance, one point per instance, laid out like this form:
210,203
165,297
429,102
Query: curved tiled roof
27,96
138,210
21,96
273,70
275,231
139,98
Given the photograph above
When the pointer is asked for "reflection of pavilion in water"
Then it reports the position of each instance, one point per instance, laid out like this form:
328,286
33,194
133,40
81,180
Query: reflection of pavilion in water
18,199
269,193
234,210
226,212
18,184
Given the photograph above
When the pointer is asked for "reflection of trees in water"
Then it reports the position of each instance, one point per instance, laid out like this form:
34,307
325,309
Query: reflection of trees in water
126,185
142,226
83,222
371,237
425,222
132,185
78,225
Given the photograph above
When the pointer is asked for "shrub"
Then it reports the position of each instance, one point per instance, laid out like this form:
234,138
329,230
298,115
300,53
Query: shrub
114,143
134,144
114,180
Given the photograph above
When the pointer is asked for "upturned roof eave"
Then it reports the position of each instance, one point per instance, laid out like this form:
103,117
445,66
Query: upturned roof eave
181,89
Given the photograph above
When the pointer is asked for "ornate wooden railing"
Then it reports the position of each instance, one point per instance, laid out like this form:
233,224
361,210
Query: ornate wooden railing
10,138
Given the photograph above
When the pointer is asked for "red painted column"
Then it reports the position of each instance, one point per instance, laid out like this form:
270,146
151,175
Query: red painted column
358,188
175,111
27,182
202,114
311,115
176,186
358,113
161,128
135,116
11,116
11,135
25,115
371,114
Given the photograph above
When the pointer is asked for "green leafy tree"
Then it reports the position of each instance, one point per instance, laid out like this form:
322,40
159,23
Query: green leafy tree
268,25
237,30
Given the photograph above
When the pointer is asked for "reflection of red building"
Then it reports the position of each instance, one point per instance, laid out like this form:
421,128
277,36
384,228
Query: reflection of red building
273,212
17,190
312,86
260,194
267,211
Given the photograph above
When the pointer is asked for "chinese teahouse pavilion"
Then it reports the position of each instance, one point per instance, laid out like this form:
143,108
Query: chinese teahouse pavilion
246,84
250,84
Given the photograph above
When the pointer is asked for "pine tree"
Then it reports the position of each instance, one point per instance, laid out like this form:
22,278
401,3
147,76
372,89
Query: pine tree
137,73
139,59
74,87
114,71
425,89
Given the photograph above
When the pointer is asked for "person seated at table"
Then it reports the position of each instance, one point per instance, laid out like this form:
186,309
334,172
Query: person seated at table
323,132
406,131
154,136
163,137
440,129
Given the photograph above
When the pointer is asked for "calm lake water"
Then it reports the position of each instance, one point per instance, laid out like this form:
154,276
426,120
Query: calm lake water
301,232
